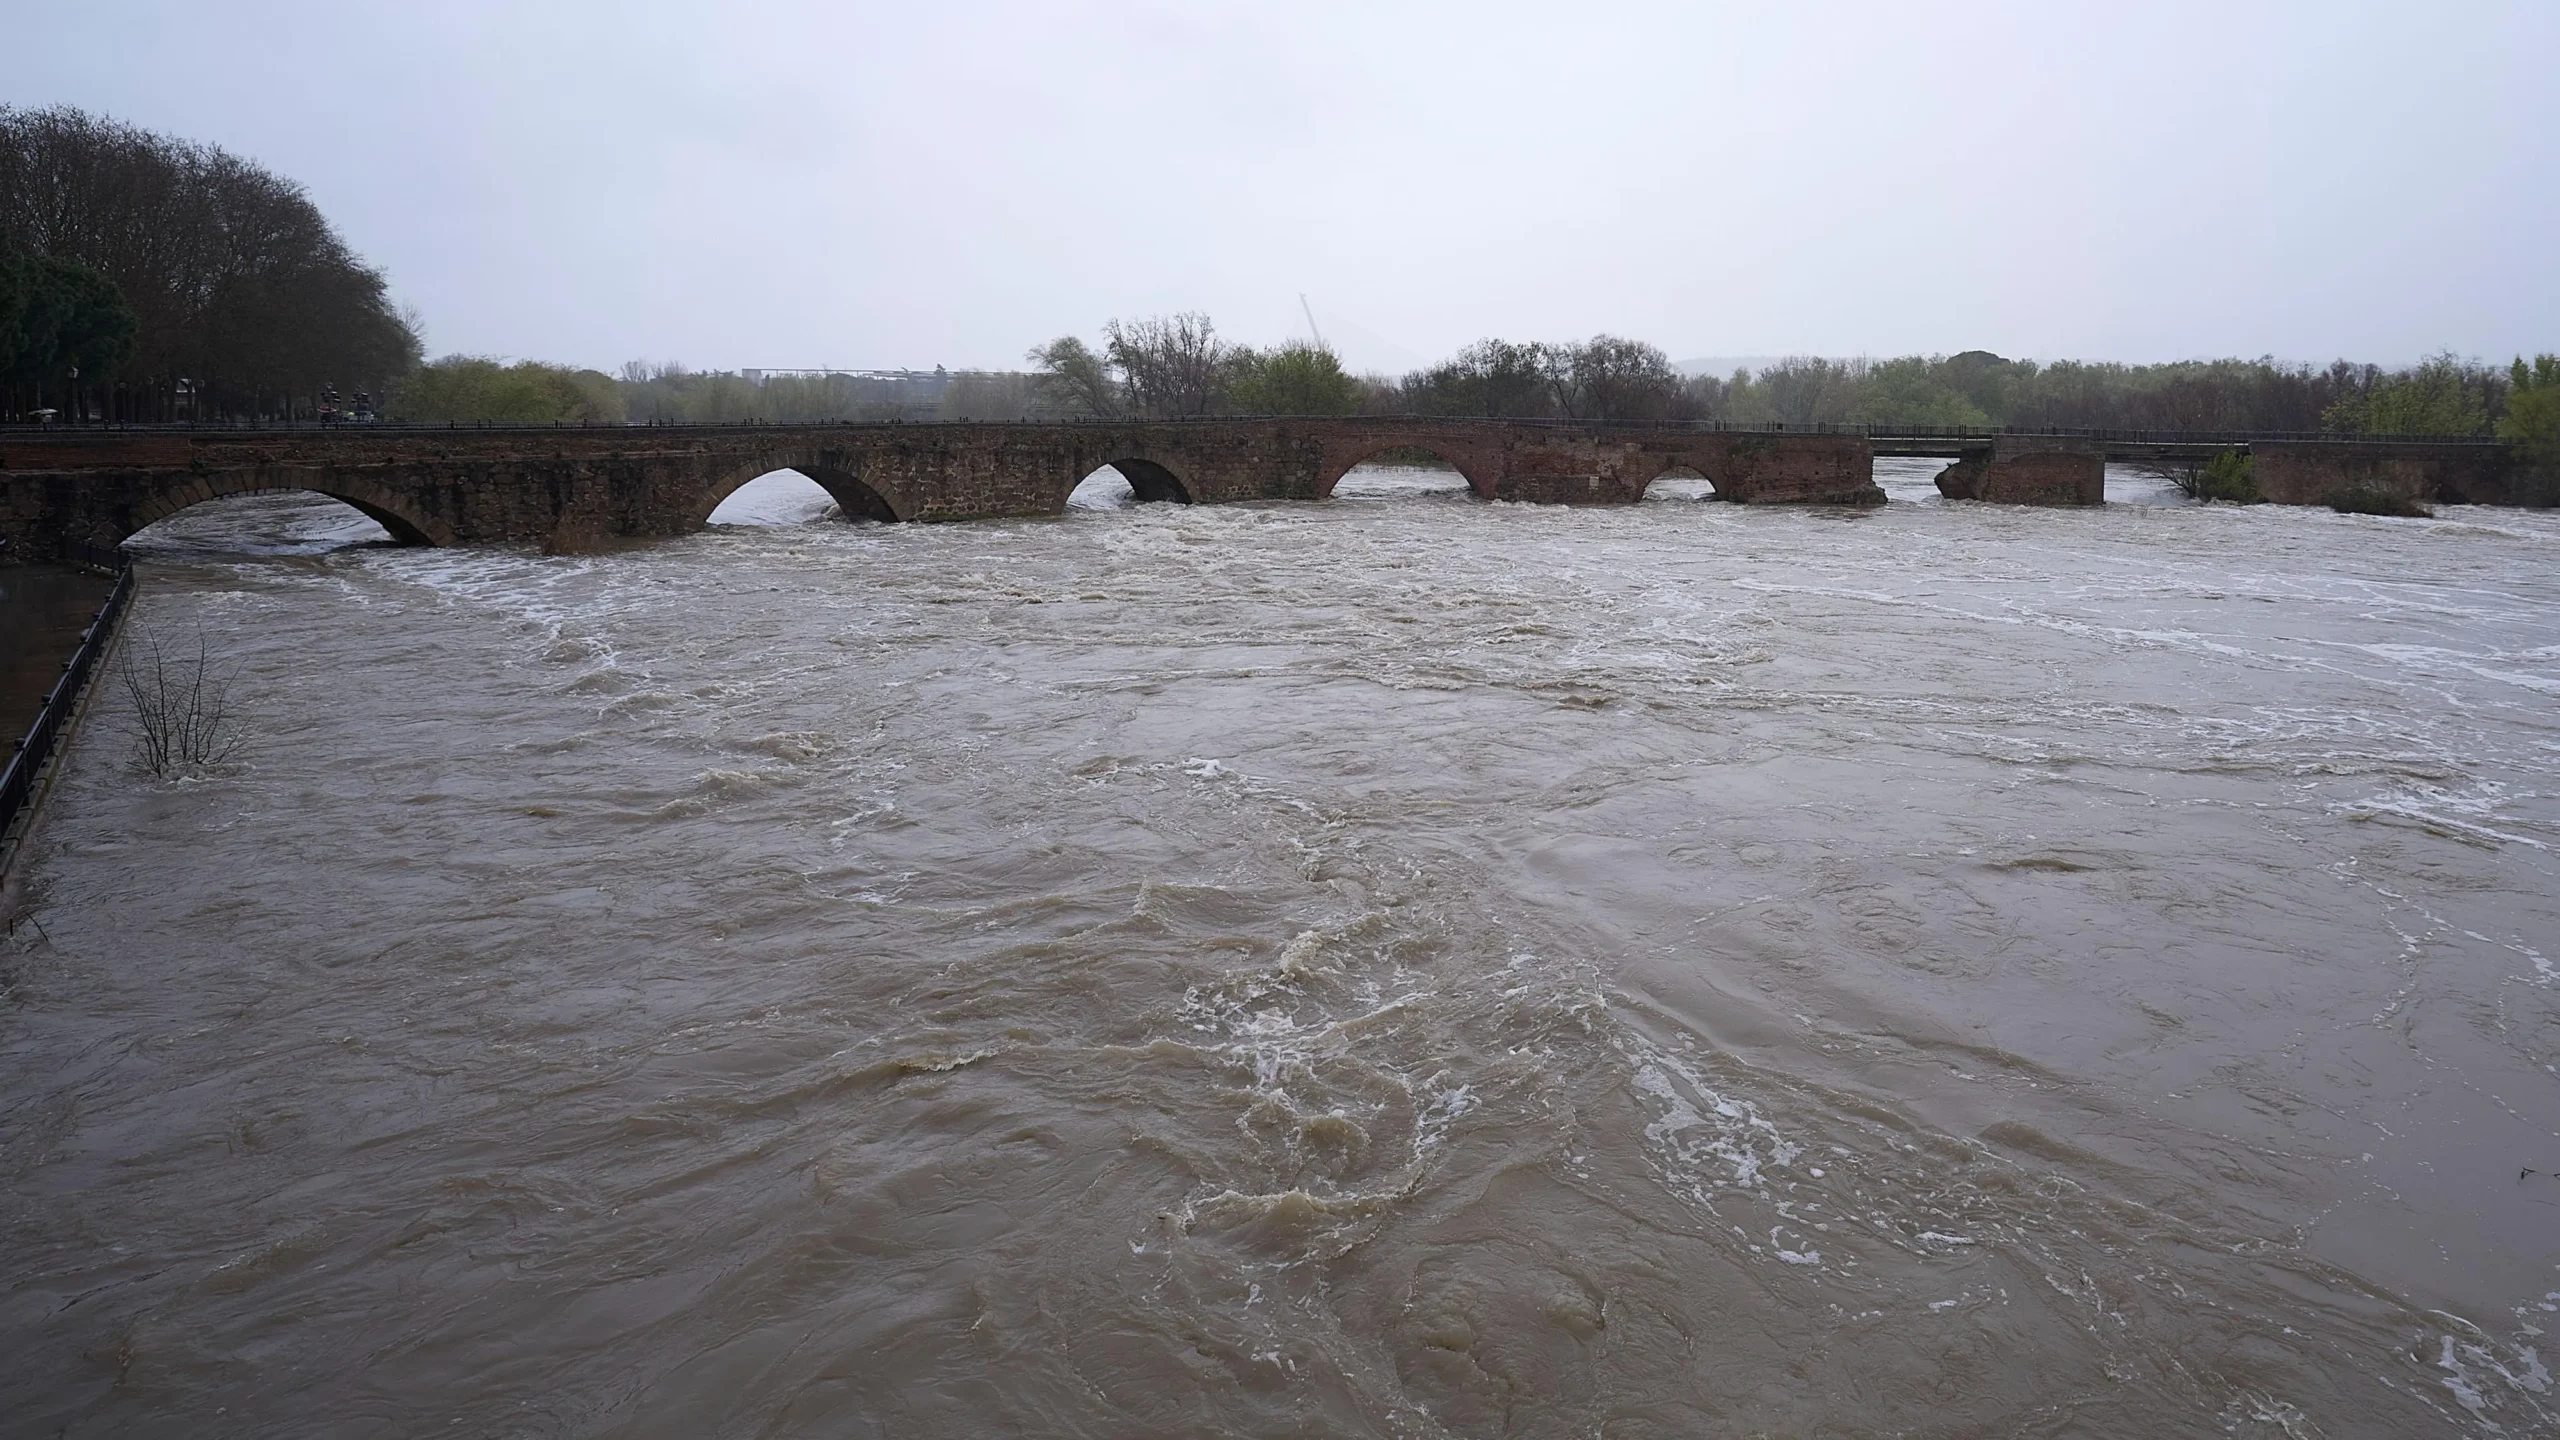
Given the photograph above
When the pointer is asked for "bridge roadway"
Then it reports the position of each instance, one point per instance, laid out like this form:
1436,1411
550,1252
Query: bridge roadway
576,488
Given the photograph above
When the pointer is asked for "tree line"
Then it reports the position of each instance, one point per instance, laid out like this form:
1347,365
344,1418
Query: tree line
1612,378
149,278
2444,396
235,298
474,389
1177,367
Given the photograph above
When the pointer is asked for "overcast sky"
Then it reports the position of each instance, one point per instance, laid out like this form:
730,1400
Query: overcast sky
946,182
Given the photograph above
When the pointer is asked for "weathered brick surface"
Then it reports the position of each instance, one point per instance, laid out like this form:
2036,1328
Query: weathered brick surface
2303,472
2029,470
1779,469
574,488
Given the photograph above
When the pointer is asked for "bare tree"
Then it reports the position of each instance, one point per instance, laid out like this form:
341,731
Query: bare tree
1610,378
1170,367
181,704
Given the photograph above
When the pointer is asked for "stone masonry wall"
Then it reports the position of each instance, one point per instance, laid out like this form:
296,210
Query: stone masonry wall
2303,472
578,487
2029,470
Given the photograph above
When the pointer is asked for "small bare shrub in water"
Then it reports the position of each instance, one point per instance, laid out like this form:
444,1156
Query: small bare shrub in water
181,704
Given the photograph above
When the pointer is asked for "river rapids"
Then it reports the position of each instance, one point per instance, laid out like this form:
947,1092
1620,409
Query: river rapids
1398,966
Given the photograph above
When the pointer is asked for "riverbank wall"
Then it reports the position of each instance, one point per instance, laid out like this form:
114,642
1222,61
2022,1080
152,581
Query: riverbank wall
35,753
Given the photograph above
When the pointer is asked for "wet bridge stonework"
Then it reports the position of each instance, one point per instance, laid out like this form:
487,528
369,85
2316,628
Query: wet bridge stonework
582,488
579,488
2028,469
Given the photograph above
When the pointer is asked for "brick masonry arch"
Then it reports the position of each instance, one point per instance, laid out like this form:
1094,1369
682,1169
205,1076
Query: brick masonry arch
1681,467
838,473
1481,472
1149,480
382,505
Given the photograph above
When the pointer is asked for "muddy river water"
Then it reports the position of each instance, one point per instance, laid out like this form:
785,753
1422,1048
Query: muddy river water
1399,966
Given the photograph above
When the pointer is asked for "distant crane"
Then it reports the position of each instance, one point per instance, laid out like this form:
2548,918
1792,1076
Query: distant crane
1311,321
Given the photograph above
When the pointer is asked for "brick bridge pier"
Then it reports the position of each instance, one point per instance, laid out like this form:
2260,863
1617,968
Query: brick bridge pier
575,488
2031,469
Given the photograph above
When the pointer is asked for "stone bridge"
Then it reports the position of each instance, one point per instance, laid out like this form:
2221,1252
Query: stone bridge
576,488
572,488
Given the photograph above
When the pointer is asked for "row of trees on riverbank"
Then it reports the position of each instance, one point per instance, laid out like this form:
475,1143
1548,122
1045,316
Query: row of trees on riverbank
2446,395
148,278
239,299
1612,378
1178,367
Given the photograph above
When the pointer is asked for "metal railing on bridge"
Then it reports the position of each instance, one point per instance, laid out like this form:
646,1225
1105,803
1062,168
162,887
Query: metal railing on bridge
1950,434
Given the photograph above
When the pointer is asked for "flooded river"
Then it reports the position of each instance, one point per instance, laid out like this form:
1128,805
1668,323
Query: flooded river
1399,966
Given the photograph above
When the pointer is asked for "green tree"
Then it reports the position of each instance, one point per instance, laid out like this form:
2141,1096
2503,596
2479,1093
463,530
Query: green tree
1295,379
1804,390
2532,423
1985,380
474,389
59,320
2229,476
1913,391
2443,396
2532,420
1074,379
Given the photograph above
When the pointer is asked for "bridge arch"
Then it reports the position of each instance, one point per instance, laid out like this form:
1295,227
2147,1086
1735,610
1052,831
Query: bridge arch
382,505
857,500
1478,474
1682,480
1150,481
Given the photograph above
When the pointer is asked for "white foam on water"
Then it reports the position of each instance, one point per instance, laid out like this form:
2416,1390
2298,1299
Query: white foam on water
779,497
1701,1141
1375,481
1105,489
2464,813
